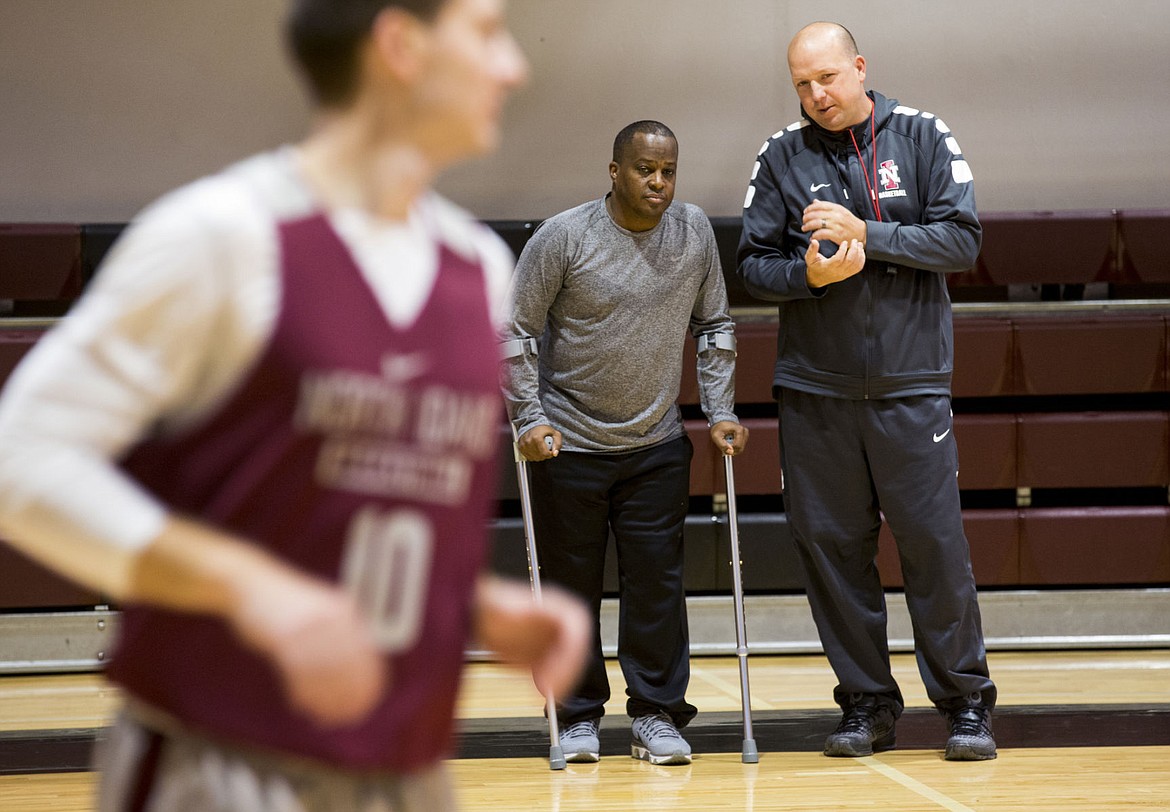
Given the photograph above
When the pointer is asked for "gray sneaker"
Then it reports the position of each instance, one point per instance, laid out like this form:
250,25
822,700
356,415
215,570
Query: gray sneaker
658,741
579,742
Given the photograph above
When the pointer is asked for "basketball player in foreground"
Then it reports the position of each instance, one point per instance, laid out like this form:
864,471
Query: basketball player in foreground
268,432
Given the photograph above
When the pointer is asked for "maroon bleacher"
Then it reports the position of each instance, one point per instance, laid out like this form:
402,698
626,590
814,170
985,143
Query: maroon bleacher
1052,247
1143,245
1093,450
1071,355
1095,545
40,262
1045,352
25,584
1071,399
988,458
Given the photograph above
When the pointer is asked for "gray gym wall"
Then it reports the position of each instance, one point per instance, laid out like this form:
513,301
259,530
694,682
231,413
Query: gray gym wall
105,104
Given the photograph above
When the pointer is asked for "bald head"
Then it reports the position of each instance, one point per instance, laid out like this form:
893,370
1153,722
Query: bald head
829,75
823,36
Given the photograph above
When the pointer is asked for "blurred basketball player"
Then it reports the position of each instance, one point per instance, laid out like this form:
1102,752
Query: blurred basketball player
268,433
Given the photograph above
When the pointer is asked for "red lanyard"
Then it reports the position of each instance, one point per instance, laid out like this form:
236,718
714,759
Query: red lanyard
872,188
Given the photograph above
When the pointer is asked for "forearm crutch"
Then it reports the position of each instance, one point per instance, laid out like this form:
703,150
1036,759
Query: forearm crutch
556,756
750,754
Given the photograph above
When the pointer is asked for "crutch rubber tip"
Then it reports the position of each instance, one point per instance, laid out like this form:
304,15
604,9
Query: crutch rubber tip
556,758
750,754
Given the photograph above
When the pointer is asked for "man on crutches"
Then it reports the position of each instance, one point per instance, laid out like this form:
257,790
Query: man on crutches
602,299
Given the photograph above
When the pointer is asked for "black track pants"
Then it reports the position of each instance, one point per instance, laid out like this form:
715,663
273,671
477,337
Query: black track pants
642,496
844,461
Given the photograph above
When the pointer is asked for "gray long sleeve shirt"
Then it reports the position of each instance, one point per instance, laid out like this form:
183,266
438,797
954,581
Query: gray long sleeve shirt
610,310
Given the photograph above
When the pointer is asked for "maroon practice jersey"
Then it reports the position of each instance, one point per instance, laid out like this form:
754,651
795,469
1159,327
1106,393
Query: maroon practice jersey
354,450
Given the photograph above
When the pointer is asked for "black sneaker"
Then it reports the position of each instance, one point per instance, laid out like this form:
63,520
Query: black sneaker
971,738
865,728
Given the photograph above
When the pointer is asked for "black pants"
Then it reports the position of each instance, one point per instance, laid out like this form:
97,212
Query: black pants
844,461
577,498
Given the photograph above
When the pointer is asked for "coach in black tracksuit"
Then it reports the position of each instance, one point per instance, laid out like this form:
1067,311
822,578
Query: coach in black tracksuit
853,216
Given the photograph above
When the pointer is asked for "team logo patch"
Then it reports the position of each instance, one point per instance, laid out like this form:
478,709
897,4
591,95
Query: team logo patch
890,180
888,172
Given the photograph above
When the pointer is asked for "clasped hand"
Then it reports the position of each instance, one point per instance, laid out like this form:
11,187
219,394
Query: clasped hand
836,224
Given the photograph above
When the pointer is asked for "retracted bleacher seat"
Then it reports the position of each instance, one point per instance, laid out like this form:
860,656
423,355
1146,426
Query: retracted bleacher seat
1047,247
987,451
983,357
1090,355
1092,545
40,262
1094,450
755,361
40,273
23,583
1143,240
27,585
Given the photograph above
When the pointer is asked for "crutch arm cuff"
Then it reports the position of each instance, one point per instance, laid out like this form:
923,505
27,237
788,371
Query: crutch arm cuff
516,347
717,341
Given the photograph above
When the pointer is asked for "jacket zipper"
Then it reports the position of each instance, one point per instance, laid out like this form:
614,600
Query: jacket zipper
868,335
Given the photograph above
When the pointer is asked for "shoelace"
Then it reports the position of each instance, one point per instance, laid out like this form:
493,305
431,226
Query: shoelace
859,719
585,727
969,722
660,726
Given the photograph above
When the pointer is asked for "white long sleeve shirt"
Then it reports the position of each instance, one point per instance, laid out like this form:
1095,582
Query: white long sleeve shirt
178,313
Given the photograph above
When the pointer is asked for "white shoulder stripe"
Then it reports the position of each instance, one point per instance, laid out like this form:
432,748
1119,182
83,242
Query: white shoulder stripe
751,195
961,172
903,110
953,145
755,170
793,127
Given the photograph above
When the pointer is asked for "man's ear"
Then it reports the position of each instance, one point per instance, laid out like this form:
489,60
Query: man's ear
398,41
613,170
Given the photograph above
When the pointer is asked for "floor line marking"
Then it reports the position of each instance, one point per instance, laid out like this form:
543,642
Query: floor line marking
914,786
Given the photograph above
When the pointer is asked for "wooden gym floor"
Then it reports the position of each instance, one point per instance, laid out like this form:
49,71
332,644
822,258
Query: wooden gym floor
1077,730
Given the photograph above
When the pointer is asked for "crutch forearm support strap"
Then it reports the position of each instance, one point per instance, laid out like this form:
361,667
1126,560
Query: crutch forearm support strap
516,347
715,341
